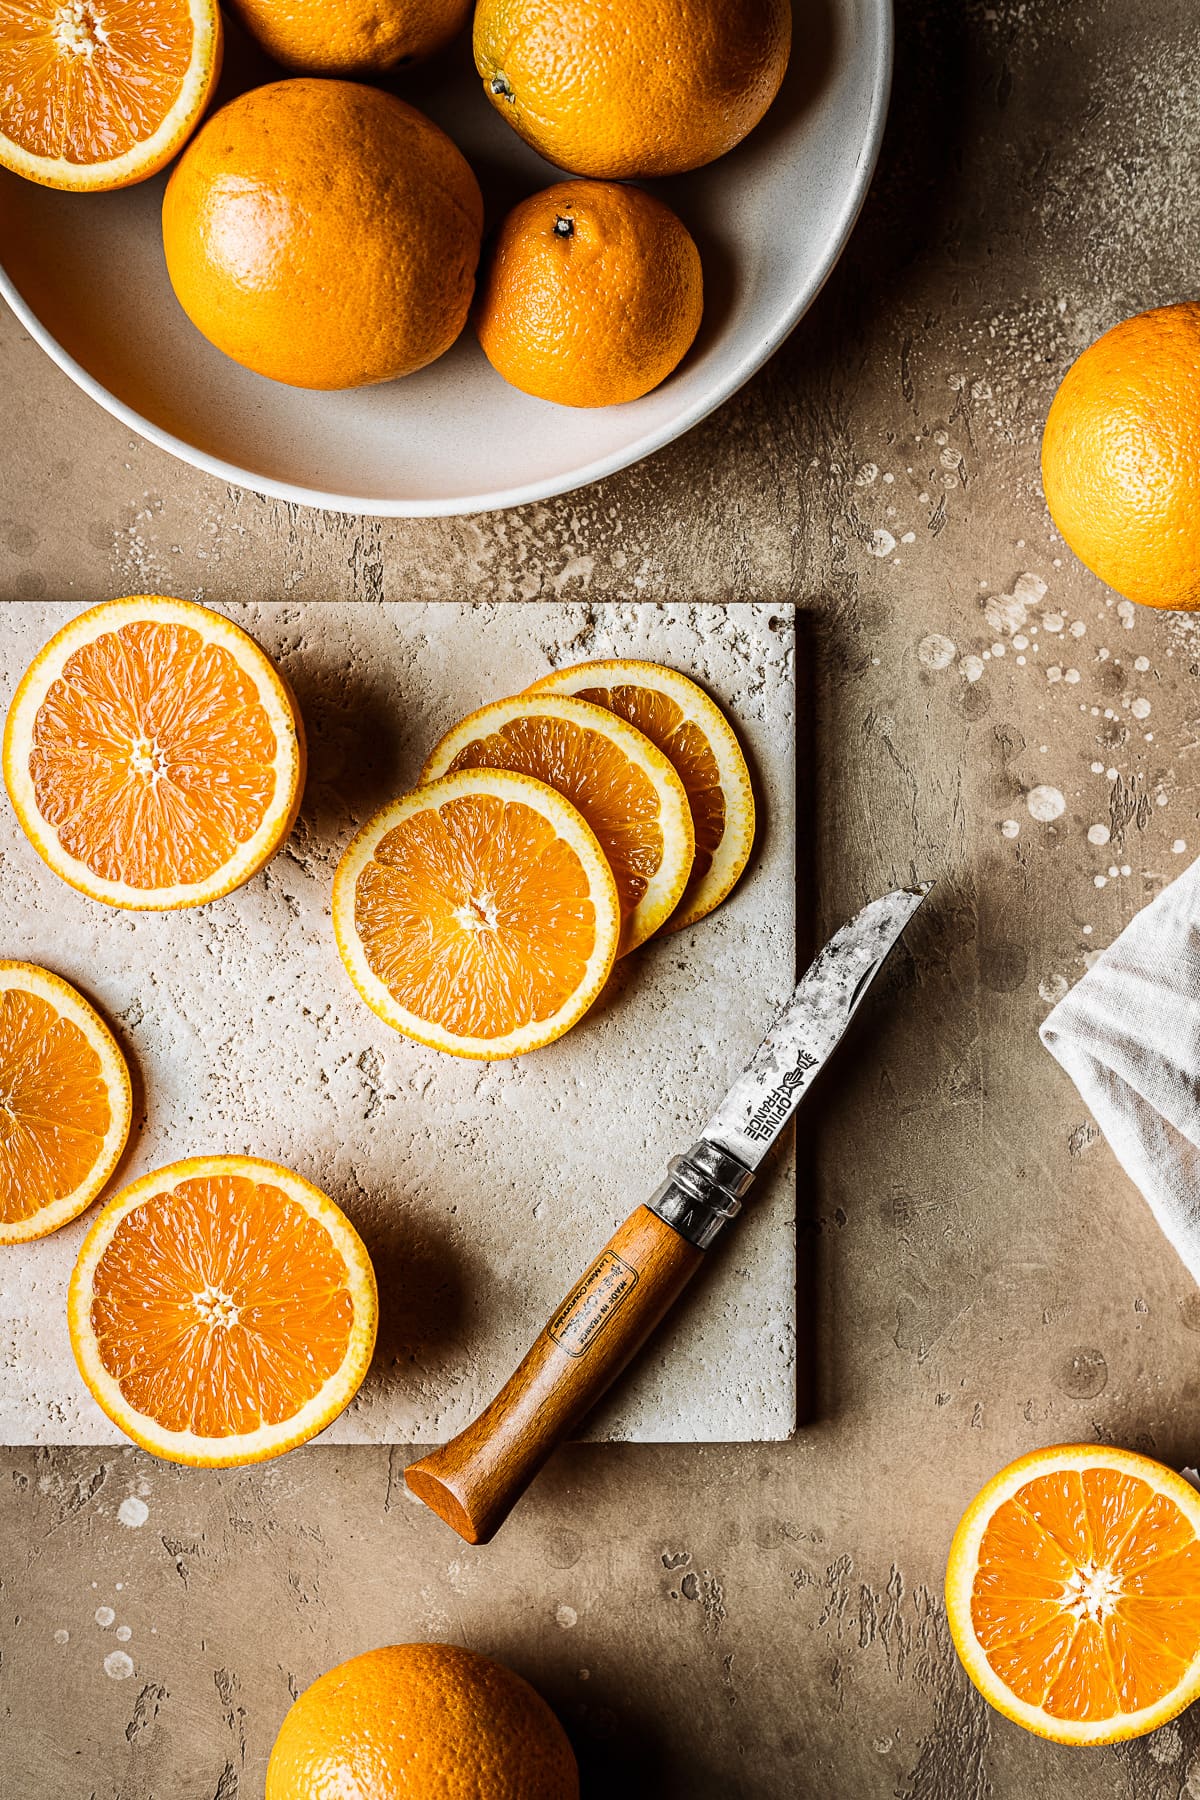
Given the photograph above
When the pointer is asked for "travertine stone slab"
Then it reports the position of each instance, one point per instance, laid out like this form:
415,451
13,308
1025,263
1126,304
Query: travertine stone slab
481,1189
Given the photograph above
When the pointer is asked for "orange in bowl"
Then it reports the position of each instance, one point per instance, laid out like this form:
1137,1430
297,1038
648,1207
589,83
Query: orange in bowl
324,234
591,296
355,37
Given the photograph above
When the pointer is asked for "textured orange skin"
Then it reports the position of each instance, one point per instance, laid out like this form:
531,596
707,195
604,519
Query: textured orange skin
421,1722
323,233
596,317
1121,457
365,38
632,87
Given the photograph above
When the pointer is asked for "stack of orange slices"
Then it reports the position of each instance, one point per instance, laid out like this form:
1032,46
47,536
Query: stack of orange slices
551,833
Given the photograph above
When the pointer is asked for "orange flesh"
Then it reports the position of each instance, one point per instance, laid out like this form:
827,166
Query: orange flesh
221,1305
685,745
86,80
476,916
1086,1600
54,1107
615,797
152,756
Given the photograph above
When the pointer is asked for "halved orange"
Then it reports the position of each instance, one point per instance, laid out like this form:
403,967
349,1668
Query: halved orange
153,753
698,740
222,1310
478,914
1073,1593
623,785
102,93
65,1102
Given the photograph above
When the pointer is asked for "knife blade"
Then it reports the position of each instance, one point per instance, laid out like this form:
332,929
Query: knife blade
474,1481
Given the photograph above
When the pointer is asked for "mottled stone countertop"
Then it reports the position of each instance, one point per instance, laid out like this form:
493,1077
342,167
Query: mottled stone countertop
739,1622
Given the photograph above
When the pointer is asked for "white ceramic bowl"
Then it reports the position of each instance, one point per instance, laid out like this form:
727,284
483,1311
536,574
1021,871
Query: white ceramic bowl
85,275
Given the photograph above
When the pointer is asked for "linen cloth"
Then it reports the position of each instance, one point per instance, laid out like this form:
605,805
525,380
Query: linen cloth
1128,1035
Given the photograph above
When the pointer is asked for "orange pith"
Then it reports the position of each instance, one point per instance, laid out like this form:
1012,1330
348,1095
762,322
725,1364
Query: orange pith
1087,1598
54,1105
88,79
614,797
225,1278
127,744
476,915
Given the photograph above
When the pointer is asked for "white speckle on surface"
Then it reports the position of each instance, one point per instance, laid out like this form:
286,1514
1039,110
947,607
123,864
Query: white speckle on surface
1098,834
566,1616
1111,773
105,1616
1078,628
62,1637
1045,803
1100,881
1071,675
1141,664
132,1511
1097,768
1178,847
1140,708
1051,988
910,537
1010,828
1087,931
1009,612
867,476
1126,869
1053,621
123,1633
998,649
1053,673
1162,800
118,1665
882,543
1125,612
1020,642
936,651
972,667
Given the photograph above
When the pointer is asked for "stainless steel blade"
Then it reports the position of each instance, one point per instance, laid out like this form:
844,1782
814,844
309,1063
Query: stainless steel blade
808,1030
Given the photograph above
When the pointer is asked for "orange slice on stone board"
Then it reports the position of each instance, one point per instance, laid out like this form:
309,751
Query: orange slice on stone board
65,1103
222,1310
623,785
696,737
102,93
478,914
1073,1593
153,754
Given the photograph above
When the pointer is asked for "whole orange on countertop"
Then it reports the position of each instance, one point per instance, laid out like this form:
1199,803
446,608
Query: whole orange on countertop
632,87
355,37
427,1720
1121,457
323,233
591,295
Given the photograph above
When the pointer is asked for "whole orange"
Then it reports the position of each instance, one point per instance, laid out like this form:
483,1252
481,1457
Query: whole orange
421,1722
1121,457
591,295
355,37
632,87
323,233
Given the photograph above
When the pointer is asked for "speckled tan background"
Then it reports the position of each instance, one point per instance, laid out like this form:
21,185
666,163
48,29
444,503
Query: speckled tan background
482,1190
736,1623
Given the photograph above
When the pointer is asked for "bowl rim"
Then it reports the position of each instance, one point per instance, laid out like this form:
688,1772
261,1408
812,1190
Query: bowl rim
549,487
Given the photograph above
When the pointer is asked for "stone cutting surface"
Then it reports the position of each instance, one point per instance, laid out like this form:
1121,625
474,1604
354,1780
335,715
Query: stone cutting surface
482,1189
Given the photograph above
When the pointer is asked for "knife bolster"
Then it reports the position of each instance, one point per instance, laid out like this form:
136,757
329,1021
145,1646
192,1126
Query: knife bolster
702,1193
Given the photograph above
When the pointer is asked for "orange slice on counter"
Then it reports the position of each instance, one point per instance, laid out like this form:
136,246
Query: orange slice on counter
1073,1593
65,1103
153,754
697,739
623,785
222,1310
102,93
478,914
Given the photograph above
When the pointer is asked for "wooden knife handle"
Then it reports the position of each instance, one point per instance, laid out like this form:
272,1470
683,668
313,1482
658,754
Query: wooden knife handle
475,1480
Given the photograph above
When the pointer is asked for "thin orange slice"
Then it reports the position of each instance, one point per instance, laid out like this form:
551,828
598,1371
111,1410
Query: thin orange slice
697,739
478,914
102,93
222,1310
1073,1593
623,785
65,1103
153,754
